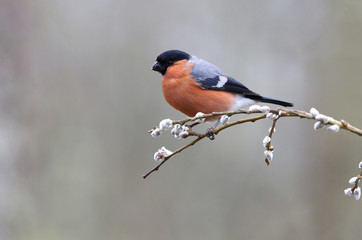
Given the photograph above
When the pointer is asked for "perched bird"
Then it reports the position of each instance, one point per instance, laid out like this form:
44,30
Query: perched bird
193,85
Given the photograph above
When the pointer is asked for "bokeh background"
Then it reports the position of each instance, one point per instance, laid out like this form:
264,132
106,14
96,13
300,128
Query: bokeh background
78,95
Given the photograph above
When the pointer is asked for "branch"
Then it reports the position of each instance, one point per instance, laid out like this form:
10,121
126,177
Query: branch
355,190
325,119
181,130
201,136
283,113
172,154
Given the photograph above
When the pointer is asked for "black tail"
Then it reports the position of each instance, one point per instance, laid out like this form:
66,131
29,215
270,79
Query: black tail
274,101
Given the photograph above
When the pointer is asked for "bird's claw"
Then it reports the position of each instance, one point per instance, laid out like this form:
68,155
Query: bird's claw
210,134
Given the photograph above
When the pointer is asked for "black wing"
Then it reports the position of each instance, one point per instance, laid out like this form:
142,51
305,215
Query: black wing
228,84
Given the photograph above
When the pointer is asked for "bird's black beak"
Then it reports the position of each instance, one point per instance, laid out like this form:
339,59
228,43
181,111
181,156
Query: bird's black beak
156,66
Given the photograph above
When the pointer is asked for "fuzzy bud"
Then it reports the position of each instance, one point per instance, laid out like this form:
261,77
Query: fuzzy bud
271,116
166,151
253,108
224,119
314,112
184,134
318,125
156,132
268,155
161,154
264,109
176,129
199,114
352,180
185,128
322,118
165,124
266,140
357,193
157,157
333,128
180,131
348,192
360,165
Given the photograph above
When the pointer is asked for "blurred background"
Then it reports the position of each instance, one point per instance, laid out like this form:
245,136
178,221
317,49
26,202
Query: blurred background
78,95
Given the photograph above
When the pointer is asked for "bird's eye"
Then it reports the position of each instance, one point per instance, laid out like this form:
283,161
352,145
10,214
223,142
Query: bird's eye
170,63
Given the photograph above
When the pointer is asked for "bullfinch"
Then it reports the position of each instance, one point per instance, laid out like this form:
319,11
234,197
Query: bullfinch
191,85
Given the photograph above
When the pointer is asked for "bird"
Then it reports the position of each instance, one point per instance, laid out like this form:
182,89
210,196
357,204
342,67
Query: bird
191,85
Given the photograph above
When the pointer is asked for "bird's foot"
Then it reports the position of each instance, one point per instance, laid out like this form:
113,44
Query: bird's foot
210,133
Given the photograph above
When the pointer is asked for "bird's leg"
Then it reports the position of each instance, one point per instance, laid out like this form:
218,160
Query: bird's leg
209,132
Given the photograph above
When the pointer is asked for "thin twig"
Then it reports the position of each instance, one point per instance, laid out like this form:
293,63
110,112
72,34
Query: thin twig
285,113
201,136
358,179
268,146
331,121
279,111
175,152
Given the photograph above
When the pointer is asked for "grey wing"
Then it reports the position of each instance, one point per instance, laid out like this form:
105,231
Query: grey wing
211,77
203,70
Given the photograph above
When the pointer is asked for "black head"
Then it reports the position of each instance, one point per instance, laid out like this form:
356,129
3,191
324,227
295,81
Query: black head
166,59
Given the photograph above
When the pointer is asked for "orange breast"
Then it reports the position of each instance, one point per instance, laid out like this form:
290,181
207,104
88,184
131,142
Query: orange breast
184,94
